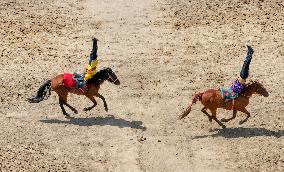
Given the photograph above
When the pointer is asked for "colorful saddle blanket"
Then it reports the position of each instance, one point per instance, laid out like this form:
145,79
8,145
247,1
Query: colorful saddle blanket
228,93
68,80
73,80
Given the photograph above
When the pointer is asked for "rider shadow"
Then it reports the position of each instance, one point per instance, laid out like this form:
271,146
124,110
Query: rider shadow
102,121
243,132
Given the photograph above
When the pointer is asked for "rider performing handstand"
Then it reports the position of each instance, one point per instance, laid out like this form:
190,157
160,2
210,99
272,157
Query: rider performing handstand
239,85
81,81
91,68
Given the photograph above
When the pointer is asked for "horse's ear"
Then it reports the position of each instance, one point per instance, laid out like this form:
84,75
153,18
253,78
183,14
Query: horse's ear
254,81
106,68
109,69
257,82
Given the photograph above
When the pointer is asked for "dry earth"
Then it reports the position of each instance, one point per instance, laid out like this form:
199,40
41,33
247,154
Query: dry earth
163,52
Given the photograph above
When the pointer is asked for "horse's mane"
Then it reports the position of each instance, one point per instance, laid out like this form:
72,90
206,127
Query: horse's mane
252,83
99,76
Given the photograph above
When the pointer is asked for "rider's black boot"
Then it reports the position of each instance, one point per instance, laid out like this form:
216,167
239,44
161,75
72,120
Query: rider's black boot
245,69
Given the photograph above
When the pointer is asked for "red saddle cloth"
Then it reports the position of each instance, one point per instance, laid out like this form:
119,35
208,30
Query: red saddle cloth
68,80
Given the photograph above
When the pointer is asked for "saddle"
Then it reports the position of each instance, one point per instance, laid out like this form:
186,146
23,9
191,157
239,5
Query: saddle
74,80
228,94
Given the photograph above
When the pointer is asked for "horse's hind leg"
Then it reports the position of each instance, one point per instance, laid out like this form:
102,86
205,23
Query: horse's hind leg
72,108
61,103
62,92
215,118
206,113
102,97
93,100
248,115
64,99
229,119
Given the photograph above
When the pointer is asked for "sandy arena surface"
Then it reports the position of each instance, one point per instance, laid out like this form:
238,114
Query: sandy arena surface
163,52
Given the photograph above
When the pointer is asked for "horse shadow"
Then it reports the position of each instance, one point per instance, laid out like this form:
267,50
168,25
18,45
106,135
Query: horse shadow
243,132
101,121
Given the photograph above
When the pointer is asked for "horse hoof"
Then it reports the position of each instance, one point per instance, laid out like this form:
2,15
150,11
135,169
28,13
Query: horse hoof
223,126
68,116
106,109
241,122
224,120
181,116
210,119
75,111
86,109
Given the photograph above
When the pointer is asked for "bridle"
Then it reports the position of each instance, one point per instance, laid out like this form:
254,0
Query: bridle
112,80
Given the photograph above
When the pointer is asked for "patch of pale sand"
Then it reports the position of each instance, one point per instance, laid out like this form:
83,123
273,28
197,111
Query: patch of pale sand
160,65
130,27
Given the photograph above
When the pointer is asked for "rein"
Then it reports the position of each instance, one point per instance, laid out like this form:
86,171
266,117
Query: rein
112,79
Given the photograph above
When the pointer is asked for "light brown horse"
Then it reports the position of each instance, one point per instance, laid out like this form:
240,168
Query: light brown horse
212,99
57,85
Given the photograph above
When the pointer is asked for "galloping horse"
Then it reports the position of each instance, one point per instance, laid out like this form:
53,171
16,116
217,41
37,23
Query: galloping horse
212,100
93,84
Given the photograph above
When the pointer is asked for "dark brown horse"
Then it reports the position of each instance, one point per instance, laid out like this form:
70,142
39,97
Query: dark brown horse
57,85
212,100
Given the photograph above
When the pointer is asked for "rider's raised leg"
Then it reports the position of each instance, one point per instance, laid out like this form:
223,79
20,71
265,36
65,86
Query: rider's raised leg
245,69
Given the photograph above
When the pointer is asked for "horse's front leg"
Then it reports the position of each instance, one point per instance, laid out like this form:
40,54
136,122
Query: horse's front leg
248,115
94,103
102,97
229,119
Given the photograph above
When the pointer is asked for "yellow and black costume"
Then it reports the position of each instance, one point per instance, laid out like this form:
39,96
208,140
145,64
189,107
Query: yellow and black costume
91,68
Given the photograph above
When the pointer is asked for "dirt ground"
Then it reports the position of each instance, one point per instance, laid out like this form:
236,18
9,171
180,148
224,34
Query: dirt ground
163,52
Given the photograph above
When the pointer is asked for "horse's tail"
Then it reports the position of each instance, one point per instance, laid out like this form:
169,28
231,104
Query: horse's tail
42,92
195,98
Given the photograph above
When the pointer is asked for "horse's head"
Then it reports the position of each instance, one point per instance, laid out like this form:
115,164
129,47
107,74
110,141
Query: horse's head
111,77
258,88
102,75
